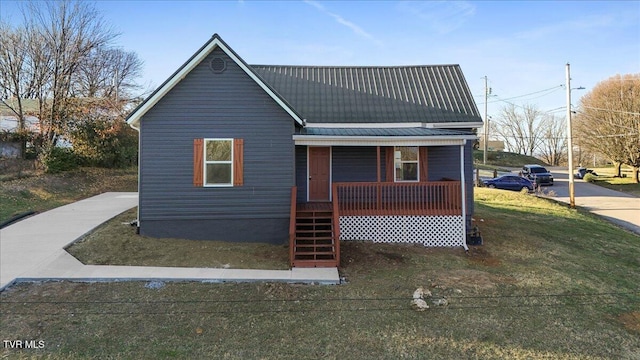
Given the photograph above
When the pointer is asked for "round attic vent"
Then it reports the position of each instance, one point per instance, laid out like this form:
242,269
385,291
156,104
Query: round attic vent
218,65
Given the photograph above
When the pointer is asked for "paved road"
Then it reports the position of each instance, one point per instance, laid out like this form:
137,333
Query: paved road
615,206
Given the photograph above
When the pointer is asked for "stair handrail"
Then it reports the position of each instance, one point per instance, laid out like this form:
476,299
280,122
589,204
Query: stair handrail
292,224
336,222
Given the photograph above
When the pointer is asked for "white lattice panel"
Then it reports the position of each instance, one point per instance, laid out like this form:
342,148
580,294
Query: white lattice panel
426,230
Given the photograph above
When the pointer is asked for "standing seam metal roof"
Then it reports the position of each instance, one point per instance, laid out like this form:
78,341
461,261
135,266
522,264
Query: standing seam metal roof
335,94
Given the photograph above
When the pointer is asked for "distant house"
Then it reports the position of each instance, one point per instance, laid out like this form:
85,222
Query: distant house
306,154
492,145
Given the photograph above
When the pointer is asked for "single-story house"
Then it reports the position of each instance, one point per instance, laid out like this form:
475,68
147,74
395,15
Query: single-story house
306,154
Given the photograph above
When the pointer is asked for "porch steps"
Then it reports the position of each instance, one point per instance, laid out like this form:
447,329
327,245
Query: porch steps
314,244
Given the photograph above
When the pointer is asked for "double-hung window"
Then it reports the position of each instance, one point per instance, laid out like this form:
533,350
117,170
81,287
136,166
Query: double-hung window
406,163
218,160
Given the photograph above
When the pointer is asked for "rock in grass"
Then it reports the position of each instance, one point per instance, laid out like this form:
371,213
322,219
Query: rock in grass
418,302
419,305
440,302
154,285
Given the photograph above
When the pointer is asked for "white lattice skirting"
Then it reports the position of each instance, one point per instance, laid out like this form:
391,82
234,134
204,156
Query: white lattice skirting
437,231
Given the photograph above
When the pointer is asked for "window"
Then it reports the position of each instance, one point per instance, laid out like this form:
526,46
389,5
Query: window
406,163
218,162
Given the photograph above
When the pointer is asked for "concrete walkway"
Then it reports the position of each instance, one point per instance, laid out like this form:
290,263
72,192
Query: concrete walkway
33,249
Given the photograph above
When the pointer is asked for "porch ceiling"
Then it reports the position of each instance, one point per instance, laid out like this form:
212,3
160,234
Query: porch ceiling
382,136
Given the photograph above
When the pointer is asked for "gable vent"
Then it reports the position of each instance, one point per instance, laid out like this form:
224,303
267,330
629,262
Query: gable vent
218,65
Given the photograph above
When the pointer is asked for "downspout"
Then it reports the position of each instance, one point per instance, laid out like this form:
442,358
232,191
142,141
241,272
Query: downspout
139,158
464,197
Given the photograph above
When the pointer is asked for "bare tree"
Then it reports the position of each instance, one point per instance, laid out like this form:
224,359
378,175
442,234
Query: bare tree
554,141
608,121
108,72
13,55
521,129
61,34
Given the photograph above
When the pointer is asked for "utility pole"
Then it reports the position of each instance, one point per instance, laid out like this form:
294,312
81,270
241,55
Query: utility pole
486,123
572,200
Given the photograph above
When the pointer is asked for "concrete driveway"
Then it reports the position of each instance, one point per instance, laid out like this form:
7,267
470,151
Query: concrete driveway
617,207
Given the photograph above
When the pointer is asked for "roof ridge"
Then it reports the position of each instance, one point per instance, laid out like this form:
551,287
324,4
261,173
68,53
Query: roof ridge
354,66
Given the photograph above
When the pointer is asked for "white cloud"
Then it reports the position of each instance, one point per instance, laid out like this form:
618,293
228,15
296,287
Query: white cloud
342,21
442,16
584,24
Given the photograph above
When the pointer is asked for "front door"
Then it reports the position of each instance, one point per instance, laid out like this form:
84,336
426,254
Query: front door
319,173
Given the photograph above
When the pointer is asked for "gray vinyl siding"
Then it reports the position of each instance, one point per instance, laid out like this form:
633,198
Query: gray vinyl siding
301,173
355,164
209,105
444,163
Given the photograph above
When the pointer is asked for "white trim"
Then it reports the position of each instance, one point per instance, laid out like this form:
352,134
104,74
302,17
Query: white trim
325,140
330,172
464,199
449,125
364,125
395,180
134,119
204,162
455,125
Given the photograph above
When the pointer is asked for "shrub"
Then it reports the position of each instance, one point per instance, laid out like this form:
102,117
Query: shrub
59,159
106,143
589,178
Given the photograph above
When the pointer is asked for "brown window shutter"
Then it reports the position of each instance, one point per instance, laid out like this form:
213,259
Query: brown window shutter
198,162
389,163
424,163
238,162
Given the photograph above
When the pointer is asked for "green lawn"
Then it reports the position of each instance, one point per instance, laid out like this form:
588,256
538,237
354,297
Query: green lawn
116,243
548,283
625,184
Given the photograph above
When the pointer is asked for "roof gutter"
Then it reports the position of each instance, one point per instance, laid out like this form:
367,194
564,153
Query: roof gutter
325,140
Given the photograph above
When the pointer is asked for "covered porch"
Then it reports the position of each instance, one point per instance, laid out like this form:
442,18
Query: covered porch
384,189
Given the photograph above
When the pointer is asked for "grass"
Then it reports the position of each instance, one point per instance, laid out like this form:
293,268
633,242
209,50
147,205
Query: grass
500,160
46,191
624,184
549,282
116,243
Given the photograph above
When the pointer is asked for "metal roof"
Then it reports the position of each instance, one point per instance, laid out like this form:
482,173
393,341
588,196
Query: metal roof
399,94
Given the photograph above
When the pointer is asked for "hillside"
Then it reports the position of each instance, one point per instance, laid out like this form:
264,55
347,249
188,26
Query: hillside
504,159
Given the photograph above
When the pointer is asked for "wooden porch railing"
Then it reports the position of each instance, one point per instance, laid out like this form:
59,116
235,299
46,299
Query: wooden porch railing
386,198
292,224
336,224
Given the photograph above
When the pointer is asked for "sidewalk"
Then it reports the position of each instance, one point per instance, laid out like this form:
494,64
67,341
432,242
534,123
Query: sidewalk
33,249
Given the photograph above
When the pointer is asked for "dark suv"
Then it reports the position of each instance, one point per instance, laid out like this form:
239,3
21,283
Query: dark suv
537,174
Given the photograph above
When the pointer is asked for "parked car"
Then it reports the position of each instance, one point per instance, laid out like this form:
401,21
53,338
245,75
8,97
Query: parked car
509,182
537,174
581,172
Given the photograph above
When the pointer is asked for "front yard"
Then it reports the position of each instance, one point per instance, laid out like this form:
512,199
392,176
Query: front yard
549,282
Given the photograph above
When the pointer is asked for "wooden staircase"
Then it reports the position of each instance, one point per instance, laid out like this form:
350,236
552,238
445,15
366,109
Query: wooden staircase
314,242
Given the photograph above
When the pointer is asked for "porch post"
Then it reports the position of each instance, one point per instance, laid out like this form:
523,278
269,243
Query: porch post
464,197
378,189
378,161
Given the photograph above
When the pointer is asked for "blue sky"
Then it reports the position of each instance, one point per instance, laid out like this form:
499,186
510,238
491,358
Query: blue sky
521,46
